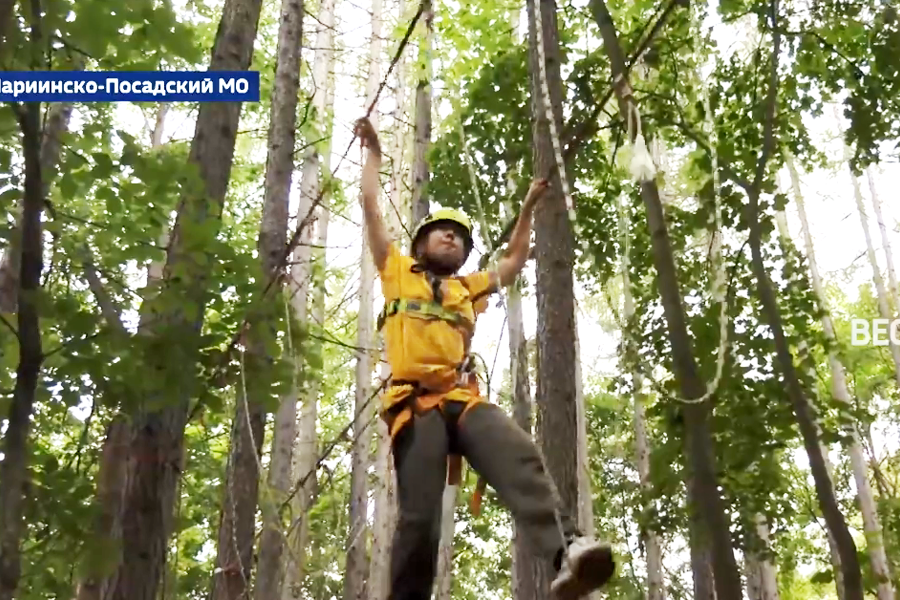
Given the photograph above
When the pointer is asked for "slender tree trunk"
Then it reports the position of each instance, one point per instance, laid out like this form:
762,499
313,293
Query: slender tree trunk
156,267
56,126
42,148
420,172
701,554
530,575
14,468
443,587
762,582
841,393
707,499
384,511
894,291
884,308
655,585
238,518
112,480
556,391
158,426
585,497
379,565
302,271
772,316
356,566
279,175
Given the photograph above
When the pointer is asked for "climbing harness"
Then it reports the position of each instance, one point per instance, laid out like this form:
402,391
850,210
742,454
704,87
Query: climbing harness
454,399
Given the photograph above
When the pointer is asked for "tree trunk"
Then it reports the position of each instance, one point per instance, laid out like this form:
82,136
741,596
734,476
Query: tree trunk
884,308
650,538
238,518
420,172
156,267
14,468
443,586
762,581
279,175
841,393
585,498
357,566
57,125
894,291
112,474
158,426
554,253
698,439
529,574
701,554
801,406
378,587
305,449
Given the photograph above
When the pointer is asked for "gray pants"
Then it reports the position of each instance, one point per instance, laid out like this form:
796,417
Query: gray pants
501,452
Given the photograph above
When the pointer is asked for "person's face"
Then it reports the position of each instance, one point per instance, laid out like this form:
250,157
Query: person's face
445,245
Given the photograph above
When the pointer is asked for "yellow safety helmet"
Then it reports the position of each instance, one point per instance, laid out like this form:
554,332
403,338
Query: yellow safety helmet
445,215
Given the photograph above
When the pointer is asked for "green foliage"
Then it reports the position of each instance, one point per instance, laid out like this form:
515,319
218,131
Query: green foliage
112,197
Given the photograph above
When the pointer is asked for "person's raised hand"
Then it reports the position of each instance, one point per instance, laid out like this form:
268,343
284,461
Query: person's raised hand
367,136
536,192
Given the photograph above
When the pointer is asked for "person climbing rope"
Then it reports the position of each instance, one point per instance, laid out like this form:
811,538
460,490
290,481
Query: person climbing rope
433,407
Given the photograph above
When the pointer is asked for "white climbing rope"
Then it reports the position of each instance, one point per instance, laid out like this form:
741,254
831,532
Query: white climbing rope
548,110
719,277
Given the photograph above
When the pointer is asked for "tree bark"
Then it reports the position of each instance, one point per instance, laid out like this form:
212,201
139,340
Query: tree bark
841,393
443,586
238,518
56,126
650,538
384,510
772,315
161,415
707,501
529,574
894,291
701,554
881,292
357,567
762,581
420,172
279,175
309,266
14,468
585,497
554,254
378,586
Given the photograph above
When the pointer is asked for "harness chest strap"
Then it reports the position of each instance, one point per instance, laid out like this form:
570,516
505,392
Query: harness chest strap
425,308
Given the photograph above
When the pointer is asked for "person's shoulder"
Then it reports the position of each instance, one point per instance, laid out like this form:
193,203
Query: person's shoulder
396,259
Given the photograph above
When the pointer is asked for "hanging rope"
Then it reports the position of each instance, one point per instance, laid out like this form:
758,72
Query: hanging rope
719,288
548,111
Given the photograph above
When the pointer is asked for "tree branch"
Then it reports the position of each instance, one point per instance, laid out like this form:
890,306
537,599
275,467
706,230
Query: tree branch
771,101
585,128
704,145
588,127
107,307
